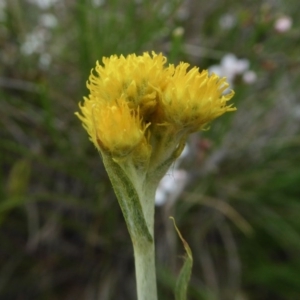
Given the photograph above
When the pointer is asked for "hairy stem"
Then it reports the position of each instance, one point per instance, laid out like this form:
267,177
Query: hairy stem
144,256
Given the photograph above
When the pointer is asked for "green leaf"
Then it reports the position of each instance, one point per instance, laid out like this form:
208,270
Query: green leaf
185,272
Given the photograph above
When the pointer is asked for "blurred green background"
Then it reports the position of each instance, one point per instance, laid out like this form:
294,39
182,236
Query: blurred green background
62,233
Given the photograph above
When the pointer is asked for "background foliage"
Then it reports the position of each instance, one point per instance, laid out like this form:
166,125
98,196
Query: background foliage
62,235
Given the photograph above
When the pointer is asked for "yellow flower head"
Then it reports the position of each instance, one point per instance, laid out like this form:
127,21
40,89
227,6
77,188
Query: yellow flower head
134,78
130,95
192,99
113,127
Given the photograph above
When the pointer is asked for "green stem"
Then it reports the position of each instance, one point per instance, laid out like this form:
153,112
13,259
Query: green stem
136,199
144,256
144,250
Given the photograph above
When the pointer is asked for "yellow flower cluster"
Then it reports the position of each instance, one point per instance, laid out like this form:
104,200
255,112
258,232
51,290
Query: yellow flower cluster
130,97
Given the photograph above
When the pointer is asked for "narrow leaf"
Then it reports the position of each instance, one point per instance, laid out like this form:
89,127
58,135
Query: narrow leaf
186,270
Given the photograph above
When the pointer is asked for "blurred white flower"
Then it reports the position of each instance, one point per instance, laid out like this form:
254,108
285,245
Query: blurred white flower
34,42
283,24
249,77
48,20
170,187
230,66
173,183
